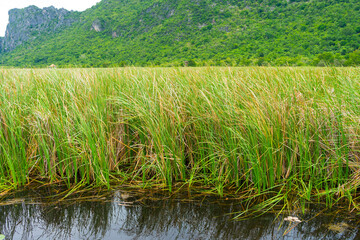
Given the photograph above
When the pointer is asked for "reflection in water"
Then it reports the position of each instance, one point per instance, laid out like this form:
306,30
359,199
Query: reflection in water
111,218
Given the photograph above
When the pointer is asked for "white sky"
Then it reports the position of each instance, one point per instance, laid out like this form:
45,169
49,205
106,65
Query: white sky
6,5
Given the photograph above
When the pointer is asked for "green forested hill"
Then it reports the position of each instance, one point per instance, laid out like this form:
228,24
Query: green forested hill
202,32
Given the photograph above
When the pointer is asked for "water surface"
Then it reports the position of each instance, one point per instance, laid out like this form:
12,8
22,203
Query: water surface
126,216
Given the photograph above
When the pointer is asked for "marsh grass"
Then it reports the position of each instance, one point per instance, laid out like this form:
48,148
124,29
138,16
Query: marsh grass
291,132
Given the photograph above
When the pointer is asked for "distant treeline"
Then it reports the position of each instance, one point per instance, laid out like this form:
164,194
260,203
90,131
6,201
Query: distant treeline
201,33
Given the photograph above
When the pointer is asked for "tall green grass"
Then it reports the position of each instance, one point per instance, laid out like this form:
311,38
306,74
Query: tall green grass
289,131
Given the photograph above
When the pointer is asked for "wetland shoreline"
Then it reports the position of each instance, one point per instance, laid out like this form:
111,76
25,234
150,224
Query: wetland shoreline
271,135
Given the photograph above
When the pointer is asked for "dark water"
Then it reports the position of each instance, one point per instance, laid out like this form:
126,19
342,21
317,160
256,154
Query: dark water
124,216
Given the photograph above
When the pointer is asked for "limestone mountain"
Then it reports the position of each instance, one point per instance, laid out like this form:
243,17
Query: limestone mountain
203,32
28,23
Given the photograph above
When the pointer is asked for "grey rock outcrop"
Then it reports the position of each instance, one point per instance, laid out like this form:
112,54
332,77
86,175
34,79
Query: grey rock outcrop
28,23
97,25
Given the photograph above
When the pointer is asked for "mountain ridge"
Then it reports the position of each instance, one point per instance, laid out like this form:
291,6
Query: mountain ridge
202,32
25,24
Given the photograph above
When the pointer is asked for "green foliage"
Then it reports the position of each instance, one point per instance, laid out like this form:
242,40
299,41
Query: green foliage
191,63
354,58
211,32
293,130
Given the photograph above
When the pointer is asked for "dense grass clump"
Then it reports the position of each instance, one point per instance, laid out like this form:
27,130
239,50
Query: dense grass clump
285,131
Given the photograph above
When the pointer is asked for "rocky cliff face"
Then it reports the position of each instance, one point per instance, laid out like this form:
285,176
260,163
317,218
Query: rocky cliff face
28,23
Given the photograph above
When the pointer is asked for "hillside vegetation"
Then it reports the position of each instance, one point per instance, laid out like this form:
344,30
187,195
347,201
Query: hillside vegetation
202,32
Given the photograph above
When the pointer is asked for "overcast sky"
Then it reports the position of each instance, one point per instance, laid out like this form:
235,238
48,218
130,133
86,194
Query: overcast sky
6,5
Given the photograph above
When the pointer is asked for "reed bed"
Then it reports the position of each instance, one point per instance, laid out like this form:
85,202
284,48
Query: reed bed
273,133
